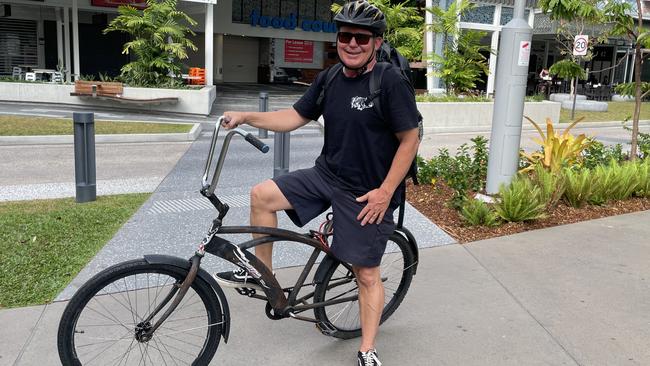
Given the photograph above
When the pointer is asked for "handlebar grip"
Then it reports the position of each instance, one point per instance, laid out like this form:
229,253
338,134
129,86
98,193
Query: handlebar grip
257,143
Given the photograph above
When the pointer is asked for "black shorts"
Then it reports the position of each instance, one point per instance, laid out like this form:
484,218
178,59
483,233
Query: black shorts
310,194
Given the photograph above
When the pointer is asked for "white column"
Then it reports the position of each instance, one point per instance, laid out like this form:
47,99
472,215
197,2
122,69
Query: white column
59,38
429,47
627,60
493,63
531,18
66,37
612,72
632,65
75,39
209,44
494,45
219,62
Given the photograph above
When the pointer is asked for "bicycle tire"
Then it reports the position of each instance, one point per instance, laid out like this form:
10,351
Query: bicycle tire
337,317
100,310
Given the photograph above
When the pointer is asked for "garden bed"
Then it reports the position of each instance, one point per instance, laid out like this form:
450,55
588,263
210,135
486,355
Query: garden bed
432,201
190,101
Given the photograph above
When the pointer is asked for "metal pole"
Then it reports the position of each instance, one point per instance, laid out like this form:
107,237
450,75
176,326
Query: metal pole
575,96
264,107
510,91
280,153
84,156
430,46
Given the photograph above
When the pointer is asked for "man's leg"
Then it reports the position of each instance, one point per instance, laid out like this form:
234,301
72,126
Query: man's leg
266,201
371,304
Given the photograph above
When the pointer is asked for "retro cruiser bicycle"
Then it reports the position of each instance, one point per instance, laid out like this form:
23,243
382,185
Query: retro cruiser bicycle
164,310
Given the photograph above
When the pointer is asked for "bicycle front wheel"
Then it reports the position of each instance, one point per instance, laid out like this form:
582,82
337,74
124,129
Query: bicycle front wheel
106,320
397,268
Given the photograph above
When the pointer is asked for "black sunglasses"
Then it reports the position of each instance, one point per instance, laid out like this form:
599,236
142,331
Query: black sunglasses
361,38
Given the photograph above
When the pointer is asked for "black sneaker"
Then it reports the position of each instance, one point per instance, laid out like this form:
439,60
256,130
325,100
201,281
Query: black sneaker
237,279
369,358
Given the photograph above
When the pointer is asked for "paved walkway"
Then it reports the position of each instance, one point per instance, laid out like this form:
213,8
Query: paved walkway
570,295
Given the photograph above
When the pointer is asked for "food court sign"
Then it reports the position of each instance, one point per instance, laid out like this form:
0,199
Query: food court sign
291,23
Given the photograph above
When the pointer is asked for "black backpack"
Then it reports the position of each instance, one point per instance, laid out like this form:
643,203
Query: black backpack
387,56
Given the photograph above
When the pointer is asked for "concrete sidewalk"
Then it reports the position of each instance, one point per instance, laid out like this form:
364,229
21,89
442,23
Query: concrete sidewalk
570,295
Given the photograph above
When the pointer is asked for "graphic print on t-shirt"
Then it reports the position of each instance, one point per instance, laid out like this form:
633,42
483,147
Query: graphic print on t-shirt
359,103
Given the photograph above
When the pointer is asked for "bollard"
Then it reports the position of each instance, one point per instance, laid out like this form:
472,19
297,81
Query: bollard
84,156
280,153
264,107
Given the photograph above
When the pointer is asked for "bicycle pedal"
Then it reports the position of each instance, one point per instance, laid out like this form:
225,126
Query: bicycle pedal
245,291
326,328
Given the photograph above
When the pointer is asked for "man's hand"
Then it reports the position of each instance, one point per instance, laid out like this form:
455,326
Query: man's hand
378,200
232,119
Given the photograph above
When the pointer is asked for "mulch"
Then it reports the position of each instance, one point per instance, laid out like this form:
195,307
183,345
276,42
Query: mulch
432,201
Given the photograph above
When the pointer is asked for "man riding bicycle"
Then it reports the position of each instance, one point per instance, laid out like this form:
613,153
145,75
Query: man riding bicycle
360,171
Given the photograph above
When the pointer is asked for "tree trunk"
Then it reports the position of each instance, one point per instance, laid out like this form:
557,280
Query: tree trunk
637,83
637,101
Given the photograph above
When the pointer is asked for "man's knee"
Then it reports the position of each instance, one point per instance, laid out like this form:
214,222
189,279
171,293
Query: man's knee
368,276
266,196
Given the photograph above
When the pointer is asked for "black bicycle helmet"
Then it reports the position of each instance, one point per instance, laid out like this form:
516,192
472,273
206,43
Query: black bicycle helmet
361,13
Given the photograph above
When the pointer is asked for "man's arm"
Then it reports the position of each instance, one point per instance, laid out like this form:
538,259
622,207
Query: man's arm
280,121
379,199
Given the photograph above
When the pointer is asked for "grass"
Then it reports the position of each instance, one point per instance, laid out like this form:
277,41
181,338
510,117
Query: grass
616,111
33,126
45,243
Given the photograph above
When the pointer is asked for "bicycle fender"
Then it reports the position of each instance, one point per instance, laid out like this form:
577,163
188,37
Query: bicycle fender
319,276
406,233
185,264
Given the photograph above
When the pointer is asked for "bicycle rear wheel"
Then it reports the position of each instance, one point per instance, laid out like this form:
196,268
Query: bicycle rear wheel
104,321
397,269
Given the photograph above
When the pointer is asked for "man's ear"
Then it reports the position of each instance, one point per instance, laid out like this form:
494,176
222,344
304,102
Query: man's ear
378,41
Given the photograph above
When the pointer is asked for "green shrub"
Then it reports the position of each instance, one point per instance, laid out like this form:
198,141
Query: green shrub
598,154
578,186
467,170
551,185
440,98
520,201
643,171
604,184
614,182
478,213
627,180
643,142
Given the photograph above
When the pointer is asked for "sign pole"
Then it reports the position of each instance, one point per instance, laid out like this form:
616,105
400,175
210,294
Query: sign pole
510,90
580,48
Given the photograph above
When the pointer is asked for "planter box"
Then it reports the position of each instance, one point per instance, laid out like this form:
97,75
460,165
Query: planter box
190,101
470,116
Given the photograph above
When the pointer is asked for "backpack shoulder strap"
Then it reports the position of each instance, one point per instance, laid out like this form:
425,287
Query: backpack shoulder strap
375,85
331,74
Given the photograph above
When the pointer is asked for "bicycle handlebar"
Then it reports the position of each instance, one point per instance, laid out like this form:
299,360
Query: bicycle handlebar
208,189
264,148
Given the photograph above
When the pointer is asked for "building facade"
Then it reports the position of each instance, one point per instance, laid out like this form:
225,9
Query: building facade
253,40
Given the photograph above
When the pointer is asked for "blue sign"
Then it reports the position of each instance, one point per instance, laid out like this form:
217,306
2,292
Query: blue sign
291,23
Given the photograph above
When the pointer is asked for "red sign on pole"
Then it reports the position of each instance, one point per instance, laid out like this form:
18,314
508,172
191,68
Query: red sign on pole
298,51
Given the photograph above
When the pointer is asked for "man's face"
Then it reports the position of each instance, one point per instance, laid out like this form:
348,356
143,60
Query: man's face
352,51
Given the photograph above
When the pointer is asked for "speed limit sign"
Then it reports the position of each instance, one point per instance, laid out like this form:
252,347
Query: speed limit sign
580,45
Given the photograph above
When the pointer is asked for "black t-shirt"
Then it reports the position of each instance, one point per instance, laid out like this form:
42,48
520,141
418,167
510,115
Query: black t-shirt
359,143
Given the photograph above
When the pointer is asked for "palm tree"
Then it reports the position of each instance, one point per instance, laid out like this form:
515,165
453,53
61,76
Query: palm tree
158,42
462,61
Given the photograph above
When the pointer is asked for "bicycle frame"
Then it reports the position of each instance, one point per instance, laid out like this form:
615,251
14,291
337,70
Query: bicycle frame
239,255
